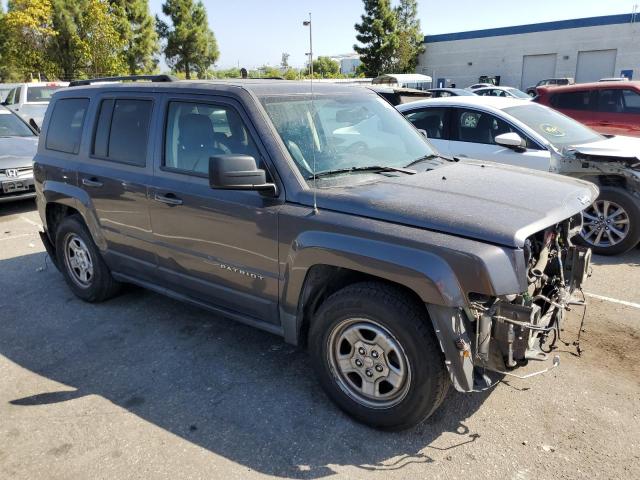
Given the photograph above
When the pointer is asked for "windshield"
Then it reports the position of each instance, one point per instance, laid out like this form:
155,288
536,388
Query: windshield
344,131
41,94
518,93
557,128
12,126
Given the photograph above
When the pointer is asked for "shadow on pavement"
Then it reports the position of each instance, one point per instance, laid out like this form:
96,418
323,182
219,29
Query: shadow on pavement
18,207
236,391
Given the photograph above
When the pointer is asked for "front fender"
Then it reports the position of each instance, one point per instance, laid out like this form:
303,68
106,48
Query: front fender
428,275
73,197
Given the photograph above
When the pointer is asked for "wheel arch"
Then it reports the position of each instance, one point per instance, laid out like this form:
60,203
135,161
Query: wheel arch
320,263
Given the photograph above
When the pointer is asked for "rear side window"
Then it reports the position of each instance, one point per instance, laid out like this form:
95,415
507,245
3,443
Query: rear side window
122,130
572,100
65,125
431,120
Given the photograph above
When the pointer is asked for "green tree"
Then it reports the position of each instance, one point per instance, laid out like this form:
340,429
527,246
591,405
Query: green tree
377,36
86,41
136,27
325,67
410,38
190,45
26,31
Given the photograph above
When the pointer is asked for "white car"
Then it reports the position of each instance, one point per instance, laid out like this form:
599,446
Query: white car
510,92
30,100
526,134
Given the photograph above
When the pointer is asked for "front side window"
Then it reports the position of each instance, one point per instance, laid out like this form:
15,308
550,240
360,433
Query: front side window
631,101
65,125
12,126
557,128
122,130
431,120
343,131
197,131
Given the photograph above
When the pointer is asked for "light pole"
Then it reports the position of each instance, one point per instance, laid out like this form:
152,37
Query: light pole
307,23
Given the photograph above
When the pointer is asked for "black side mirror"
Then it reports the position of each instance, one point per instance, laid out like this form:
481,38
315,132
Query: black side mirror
237,172
34,125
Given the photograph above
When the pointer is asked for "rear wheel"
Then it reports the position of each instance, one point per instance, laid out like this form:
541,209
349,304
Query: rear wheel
611,225
375,354
81,263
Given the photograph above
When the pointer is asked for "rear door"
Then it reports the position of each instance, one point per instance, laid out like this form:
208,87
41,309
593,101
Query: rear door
473,135
433,121
116,175
618,111
216,246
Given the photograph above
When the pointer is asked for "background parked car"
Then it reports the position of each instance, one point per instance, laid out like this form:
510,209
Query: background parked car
501,92
398,95
611,108
30,100
553,82
526,134
18,146
475,86
449,92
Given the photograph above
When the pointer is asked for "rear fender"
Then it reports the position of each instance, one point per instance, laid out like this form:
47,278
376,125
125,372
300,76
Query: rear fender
76,198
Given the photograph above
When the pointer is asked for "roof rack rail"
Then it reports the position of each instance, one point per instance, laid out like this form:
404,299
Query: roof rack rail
129,78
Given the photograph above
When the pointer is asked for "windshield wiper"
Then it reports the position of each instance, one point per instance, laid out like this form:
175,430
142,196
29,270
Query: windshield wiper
371,168
431,156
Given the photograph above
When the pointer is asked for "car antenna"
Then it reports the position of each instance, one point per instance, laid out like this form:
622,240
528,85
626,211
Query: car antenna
307,23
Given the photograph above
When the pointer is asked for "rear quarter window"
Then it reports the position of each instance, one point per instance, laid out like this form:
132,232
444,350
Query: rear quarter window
65,125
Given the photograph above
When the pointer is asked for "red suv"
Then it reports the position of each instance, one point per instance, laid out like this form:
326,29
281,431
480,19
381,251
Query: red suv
611,108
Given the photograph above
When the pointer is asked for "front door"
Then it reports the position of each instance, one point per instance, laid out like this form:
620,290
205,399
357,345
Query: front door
216,246
473,134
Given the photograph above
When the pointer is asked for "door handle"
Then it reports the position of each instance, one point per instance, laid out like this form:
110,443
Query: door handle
462,155
169,199
92,182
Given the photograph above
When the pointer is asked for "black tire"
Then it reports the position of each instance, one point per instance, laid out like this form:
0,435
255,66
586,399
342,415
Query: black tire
100,285
407,321
631,205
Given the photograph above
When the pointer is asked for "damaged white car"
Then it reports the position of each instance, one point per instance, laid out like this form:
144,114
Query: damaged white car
529,135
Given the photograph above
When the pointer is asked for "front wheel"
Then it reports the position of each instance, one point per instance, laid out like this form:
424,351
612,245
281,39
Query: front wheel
376,357
611,225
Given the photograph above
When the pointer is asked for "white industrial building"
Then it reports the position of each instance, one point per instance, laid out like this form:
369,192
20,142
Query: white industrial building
586,49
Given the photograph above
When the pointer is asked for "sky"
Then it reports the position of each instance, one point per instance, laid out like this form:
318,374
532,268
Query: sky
251,33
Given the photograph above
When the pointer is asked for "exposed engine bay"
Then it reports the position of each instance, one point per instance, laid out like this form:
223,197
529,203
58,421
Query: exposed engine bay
513,329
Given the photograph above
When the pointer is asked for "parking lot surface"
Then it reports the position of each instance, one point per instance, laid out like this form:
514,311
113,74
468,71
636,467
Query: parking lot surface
146,387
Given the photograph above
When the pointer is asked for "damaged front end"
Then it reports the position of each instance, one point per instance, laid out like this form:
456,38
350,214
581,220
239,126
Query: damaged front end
512,330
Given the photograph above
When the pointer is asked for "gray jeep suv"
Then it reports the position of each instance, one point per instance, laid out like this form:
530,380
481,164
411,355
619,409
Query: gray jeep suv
327,219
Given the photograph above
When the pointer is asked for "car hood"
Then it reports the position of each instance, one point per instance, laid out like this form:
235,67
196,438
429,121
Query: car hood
616,148
17,152
485,201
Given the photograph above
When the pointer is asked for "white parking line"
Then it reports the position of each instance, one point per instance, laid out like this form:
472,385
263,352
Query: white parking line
28,220
613,300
